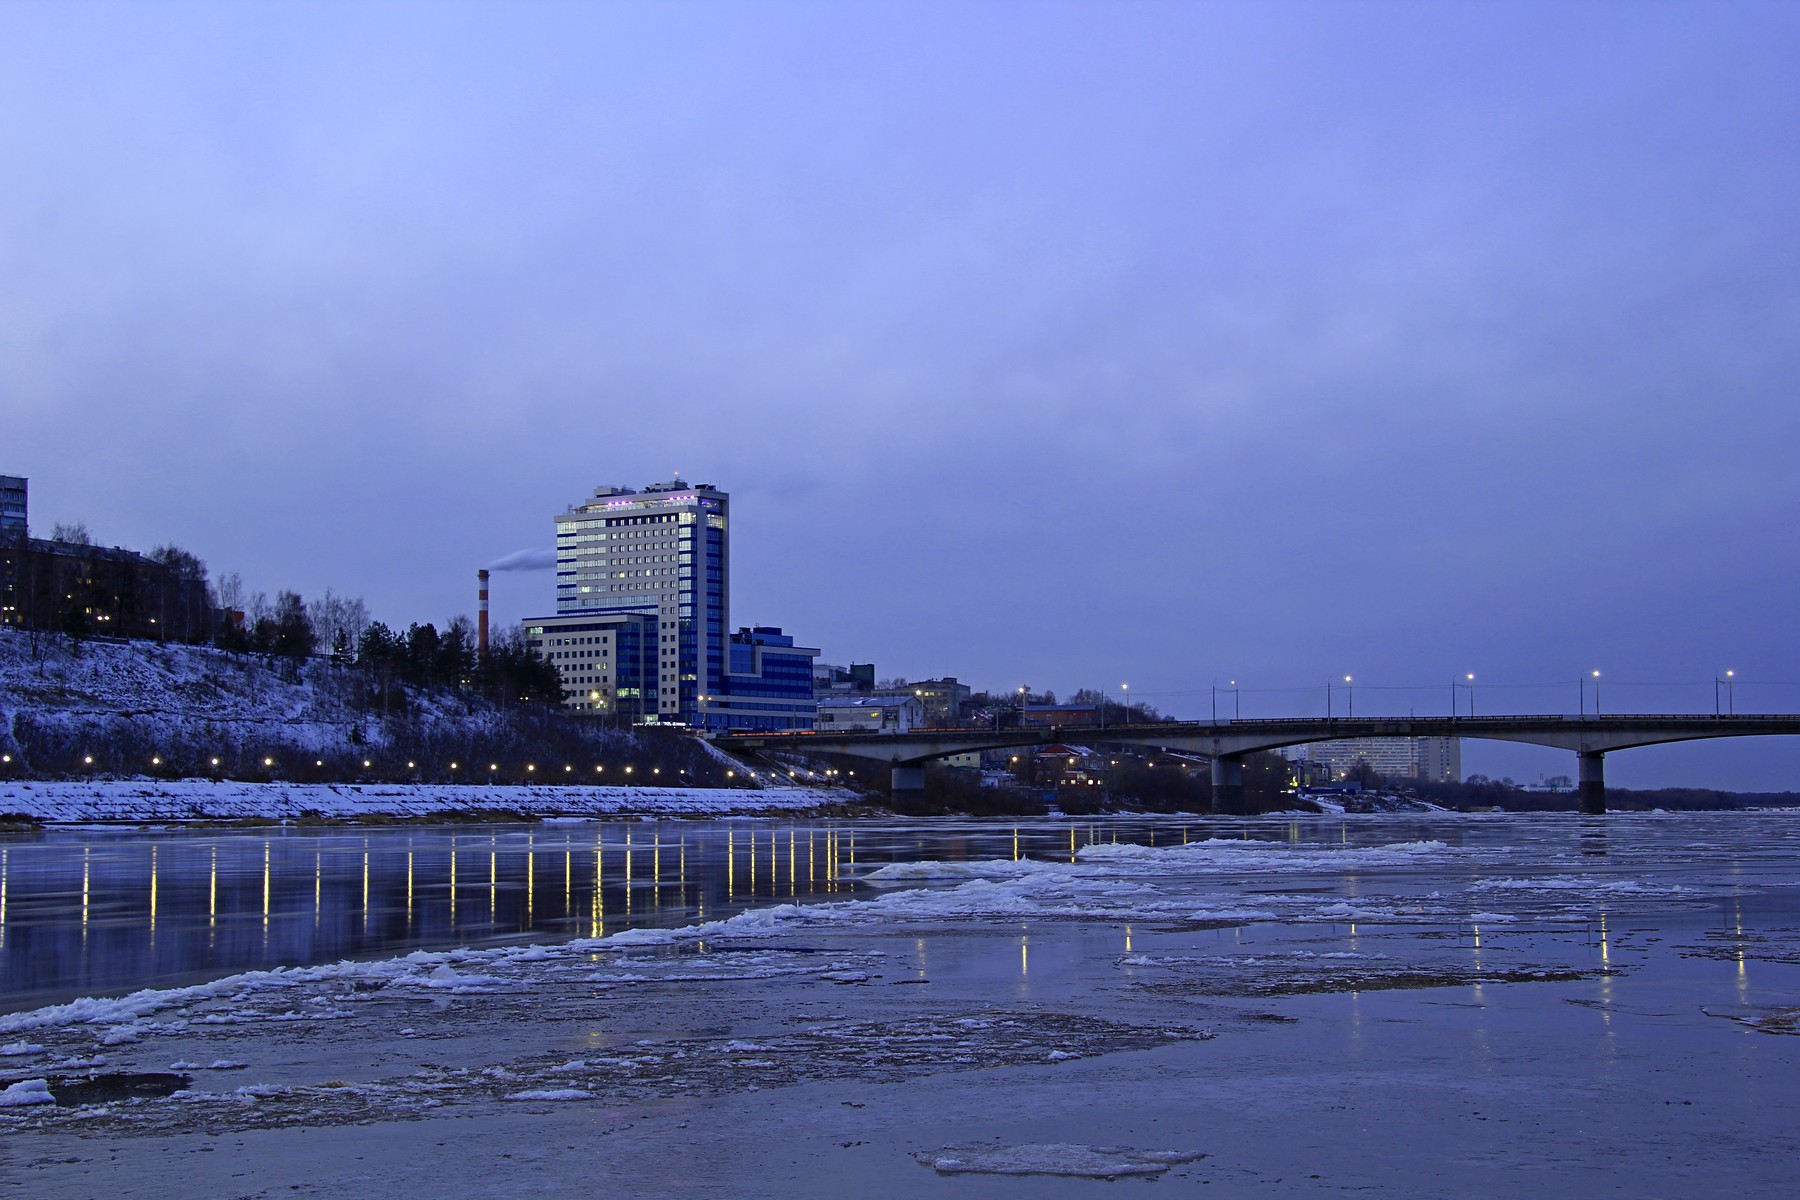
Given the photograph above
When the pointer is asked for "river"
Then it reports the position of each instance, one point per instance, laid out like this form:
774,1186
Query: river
1481,1006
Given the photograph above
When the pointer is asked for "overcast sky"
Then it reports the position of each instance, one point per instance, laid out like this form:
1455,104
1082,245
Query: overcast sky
1067,345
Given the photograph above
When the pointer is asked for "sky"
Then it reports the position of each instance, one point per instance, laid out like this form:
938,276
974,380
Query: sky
1069,345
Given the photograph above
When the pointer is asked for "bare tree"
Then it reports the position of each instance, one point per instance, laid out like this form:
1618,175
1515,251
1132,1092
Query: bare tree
326,615
356,620
75,535
231,592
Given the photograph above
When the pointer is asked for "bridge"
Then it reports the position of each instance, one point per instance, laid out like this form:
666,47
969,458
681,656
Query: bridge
1227,743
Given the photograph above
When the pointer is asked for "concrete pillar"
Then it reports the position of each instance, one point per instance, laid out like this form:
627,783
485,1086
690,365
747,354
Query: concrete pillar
1591,765
908,783
1228,785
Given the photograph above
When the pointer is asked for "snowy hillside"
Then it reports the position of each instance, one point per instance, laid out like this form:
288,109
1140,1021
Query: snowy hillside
171,711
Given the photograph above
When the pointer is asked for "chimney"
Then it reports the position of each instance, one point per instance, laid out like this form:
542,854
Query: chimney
481,620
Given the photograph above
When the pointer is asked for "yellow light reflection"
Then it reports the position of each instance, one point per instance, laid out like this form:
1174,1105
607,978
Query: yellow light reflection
152,894
597,916
1743,978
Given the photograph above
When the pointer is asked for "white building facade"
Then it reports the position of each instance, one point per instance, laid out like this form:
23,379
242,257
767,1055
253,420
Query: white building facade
1432,759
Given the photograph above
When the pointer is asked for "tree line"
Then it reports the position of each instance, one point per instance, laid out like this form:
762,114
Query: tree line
68,585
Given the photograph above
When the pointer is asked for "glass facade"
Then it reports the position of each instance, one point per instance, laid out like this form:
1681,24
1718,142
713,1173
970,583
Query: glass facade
661,556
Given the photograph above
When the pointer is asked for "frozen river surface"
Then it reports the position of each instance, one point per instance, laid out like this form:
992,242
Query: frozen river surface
1478,1006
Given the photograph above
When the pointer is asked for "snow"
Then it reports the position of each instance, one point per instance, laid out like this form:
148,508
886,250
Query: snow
150,695
1054,1158
198,799
190,693
27,1092
552,1094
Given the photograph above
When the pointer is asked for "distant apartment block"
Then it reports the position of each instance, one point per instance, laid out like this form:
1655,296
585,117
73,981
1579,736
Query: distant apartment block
643,587
1432,759
12,506
943,699
99,590
857,677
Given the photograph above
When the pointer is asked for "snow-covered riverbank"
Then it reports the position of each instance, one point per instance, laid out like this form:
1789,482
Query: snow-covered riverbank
207,800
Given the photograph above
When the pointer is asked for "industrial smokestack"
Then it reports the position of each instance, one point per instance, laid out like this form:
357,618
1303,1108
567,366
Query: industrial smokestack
481,620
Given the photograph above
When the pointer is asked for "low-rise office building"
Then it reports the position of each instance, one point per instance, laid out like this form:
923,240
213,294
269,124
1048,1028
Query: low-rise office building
877,714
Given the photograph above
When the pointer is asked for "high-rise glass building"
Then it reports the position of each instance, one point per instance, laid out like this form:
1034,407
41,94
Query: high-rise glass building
643,586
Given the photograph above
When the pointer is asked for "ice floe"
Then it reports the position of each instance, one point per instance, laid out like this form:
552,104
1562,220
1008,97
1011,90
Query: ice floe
1054,1158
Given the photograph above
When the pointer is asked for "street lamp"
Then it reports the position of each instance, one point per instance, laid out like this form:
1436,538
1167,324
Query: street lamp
1236,708
1471,678
1352,689
1730,692
1126,689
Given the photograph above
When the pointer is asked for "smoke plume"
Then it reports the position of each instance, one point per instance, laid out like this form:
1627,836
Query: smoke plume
536,559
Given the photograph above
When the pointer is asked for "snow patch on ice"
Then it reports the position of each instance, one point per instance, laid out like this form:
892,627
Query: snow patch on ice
1054,1158
27,1092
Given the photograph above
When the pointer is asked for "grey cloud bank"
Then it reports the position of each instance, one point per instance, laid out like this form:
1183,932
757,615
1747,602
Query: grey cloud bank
1036,343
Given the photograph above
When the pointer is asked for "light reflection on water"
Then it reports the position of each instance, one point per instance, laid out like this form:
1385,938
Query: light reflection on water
98,911
103,911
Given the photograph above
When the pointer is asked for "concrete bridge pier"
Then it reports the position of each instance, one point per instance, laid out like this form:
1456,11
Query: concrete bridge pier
1228,785
1591,766
908,783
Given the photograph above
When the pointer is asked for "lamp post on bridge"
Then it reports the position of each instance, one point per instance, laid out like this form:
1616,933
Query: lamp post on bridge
1237,710
1125,690
1351,688
1470,684
1730,692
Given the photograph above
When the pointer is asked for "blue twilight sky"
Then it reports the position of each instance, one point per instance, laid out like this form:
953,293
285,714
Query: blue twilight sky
1037,343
